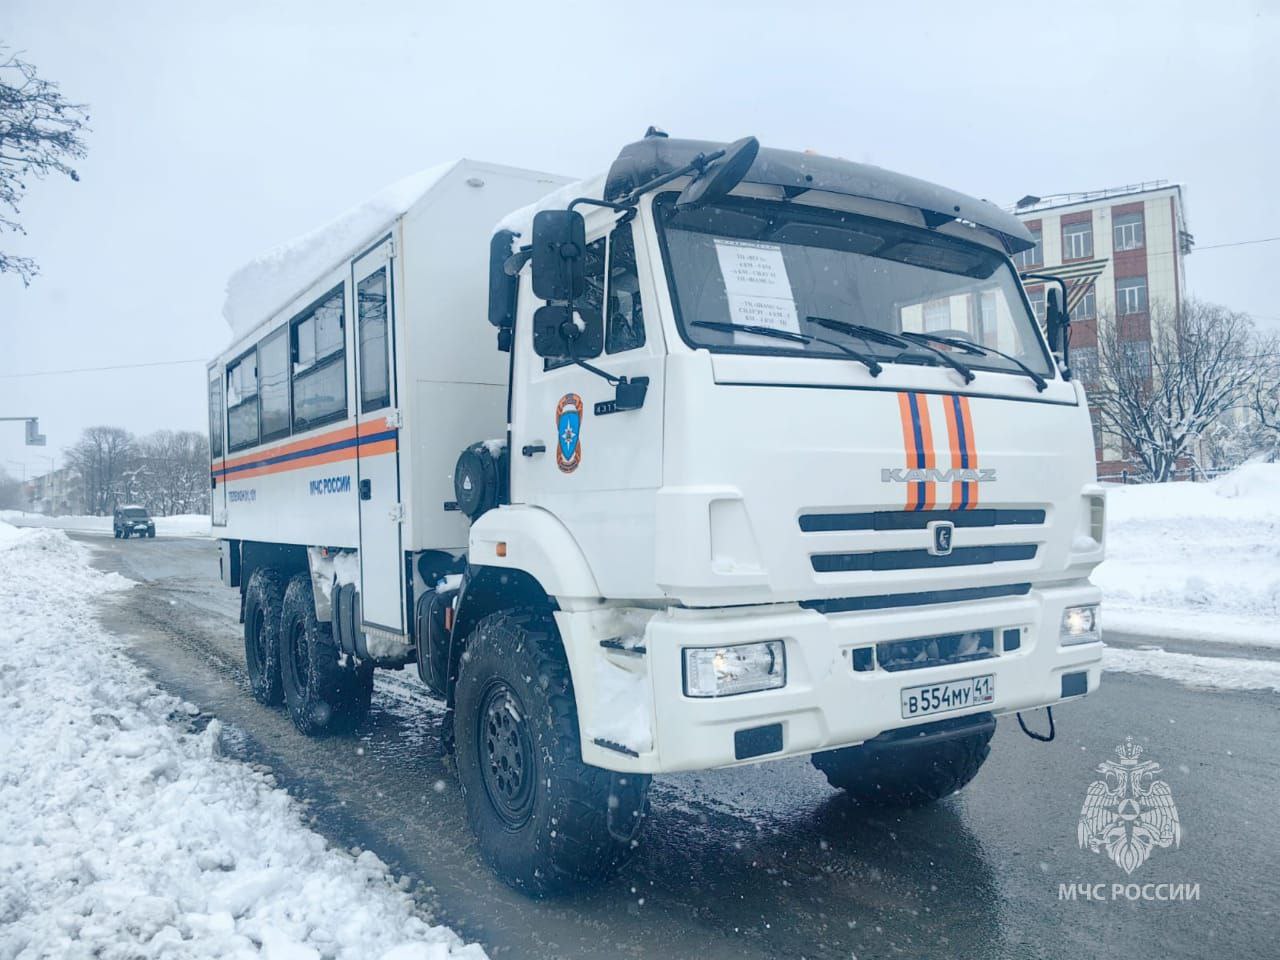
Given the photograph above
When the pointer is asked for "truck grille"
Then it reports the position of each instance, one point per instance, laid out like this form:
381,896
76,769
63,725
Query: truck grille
936,651
916,519
920,559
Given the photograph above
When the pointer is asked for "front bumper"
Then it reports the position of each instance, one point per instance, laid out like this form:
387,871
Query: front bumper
825,703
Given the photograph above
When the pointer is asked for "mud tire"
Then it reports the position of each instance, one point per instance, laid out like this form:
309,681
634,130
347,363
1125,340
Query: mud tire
905,774
546,830
323,694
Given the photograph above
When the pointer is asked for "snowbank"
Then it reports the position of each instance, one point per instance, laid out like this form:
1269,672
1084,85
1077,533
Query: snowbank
1213,673
1196,561
179,525
263,286
124,833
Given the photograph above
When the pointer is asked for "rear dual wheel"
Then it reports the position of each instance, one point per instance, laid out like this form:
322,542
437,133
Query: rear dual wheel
323,693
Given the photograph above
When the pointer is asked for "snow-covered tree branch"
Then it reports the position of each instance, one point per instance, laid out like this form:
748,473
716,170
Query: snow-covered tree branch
1159,397
40,134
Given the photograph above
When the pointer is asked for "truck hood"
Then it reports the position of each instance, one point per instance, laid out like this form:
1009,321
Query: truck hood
807,481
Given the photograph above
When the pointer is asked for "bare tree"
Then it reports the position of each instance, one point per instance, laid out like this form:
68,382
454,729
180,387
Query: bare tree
39,134
104,458
172,472
1159,397
1263,397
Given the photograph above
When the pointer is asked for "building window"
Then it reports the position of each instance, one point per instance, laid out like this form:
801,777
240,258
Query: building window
625,327
1128,231
242,402
1036,296
937,315
1033,257
319,364
1084,364
1086,307
1137,355
1077,240
273,385
1131,295
1097,432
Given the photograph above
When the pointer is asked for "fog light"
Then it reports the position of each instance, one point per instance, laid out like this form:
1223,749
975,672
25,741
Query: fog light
741,668
1080,625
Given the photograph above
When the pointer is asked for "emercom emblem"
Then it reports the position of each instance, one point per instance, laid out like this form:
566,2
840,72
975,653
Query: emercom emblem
1129,813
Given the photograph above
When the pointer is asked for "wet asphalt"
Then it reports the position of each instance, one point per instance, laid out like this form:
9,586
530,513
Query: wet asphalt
768,861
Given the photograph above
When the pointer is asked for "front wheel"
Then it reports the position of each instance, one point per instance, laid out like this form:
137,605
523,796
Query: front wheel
545,821
323,693
912,767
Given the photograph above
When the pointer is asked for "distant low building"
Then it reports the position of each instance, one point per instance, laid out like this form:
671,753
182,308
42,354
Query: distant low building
54,493
1120,251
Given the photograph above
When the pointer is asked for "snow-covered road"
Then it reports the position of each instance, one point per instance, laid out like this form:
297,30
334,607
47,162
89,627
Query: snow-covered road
123,831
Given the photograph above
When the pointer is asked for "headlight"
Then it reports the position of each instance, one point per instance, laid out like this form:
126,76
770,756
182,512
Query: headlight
1080,625
741,668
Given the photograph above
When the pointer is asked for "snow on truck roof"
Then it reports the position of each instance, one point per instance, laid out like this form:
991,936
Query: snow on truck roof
267,283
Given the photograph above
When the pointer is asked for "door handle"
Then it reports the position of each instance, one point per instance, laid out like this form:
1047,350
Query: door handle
366,489
529,449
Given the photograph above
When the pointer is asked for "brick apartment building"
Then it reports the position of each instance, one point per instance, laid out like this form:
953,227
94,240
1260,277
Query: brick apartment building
1120,251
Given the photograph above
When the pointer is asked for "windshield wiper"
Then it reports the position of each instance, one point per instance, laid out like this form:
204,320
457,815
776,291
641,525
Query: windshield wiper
891,339
979,349
869,362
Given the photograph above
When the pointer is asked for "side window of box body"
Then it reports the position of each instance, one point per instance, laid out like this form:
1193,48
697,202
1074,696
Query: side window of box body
242,401
319,368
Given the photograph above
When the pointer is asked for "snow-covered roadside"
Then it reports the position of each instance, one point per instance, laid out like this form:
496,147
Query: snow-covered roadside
1195,561
1212,673
124,833
181,525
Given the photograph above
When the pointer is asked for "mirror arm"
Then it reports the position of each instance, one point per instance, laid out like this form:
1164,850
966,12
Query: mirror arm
515,263
696,165
608,377
619,207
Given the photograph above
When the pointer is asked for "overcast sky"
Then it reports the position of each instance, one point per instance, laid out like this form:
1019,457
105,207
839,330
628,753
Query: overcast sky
221,129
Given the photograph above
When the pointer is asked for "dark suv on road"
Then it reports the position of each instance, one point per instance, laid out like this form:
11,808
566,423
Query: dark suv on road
130,520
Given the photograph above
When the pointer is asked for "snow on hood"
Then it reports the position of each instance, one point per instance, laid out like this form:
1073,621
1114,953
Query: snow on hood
264,285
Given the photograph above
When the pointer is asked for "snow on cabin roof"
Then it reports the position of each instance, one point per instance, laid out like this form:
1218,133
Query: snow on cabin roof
266,284
521,221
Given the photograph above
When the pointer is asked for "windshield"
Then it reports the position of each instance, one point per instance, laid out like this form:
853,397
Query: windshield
134,513
769,264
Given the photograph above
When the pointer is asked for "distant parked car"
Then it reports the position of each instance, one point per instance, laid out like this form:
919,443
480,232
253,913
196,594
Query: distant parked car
129,520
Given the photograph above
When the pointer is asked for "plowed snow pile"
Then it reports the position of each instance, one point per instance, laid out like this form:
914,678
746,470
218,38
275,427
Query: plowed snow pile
125,834
1195,560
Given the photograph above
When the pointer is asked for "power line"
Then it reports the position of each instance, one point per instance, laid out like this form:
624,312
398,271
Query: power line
1238,243
118,366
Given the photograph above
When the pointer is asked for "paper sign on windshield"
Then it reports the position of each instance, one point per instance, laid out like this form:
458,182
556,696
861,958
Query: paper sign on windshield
759,292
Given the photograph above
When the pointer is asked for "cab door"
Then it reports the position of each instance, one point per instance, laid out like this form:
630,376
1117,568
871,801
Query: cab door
595,468
382,569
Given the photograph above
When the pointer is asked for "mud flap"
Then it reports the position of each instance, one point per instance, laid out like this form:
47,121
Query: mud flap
627,797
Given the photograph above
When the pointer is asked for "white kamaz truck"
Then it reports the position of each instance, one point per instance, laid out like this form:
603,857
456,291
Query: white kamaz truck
770,458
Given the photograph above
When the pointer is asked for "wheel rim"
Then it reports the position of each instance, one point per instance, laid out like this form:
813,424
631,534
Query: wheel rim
506,754
298,654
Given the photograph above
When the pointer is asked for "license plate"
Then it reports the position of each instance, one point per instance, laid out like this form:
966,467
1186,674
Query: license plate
952,695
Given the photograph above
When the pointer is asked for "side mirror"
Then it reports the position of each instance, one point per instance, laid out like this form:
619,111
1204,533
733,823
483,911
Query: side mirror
721,176
559,244
1056,321
562,332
